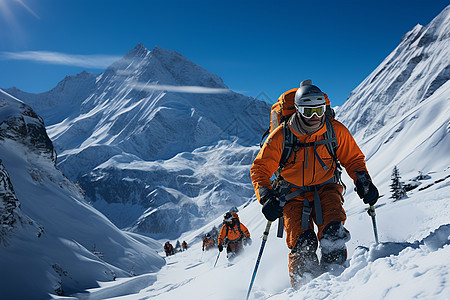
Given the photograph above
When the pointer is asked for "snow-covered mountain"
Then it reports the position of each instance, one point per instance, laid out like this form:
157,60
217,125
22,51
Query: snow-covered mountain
51,239
412,73
141,143
400,113
411,262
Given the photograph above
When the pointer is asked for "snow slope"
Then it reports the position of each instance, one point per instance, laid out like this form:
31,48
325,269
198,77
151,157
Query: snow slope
411,262
55,241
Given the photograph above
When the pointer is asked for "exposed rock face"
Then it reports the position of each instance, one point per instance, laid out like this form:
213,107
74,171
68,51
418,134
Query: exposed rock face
25,126
8,205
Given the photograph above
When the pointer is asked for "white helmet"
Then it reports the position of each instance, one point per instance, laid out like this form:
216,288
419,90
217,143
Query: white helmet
309,95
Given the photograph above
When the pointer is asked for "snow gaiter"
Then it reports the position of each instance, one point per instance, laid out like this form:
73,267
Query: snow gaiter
332,245
303,258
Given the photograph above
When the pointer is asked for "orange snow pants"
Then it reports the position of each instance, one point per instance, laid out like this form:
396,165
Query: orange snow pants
332,210
235,247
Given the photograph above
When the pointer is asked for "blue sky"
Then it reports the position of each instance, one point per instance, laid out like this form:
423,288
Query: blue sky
254,46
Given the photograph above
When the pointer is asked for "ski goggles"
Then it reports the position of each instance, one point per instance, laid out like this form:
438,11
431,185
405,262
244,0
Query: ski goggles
228,219
309,112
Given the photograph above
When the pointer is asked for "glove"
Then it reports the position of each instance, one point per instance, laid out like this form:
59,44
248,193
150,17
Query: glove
220,247
265,194
271,208
247,241
366,189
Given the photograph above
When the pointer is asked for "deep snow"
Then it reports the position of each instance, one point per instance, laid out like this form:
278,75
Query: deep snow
411,261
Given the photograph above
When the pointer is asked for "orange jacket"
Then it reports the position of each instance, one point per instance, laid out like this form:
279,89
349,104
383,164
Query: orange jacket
233,234
168,248
207,243
302,168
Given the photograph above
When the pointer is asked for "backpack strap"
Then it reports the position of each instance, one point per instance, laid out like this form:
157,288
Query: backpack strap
263,137
238,223
330,137
289,145
332,147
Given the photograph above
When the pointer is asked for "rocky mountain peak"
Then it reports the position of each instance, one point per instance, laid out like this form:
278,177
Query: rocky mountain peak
139,51
19,122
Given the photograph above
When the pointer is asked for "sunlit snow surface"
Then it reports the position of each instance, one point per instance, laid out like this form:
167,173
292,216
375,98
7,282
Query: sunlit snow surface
400,267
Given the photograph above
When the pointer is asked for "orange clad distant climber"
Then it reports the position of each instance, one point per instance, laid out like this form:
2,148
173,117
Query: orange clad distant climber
168,248
233,235
184,245
208,242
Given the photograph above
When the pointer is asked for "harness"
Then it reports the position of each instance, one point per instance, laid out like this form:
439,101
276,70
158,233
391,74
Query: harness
291,145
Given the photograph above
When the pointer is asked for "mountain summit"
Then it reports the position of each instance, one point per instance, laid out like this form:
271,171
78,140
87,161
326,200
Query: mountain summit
163,66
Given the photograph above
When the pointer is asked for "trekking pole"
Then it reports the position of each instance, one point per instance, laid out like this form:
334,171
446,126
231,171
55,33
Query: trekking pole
263,243
371,212
216,259
281,220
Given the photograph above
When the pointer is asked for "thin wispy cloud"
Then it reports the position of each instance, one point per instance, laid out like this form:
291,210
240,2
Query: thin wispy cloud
28,8
102,62
56,58
178,89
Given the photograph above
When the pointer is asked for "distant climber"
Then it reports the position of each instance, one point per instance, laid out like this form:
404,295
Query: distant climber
233,235
178,247
208,242
168,248
184,245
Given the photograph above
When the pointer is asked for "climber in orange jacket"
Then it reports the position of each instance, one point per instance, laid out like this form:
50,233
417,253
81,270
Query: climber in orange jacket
168,248
208,242
233,234
309,179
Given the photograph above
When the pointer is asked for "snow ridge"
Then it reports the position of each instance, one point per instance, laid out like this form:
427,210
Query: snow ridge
399,84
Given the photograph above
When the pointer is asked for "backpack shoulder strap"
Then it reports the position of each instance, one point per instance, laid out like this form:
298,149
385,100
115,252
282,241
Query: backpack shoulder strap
330,135
288,146
239,228
263,137
332,147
